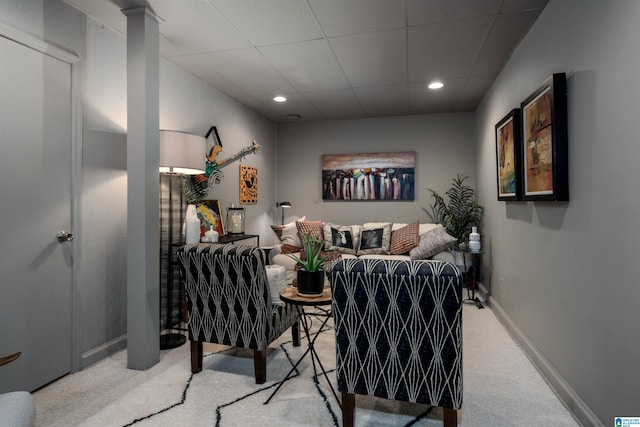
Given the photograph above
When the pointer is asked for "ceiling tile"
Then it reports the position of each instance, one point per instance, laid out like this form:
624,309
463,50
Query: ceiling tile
518,5
335,104
423,100
340,18
308,66
446,50
249,70
473,92
208,30
373,58
504,36
196,66
384,100
296,104
420,12
271,22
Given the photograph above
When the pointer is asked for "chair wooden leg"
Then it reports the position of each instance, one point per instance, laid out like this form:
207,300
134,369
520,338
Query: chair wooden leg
295,333
450,417
348,409
260,365
196,357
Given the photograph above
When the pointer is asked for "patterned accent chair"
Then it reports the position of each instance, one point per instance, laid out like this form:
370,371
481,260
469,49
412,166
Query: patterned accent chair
398,328
229,302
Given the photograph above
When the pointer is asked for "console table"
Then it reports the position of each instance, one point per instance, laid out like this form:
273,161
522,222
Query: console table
232,238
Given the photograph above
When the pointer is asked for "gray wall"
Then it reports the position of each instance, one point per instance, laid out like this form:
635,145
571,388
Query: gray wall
186,104
444,146
564,274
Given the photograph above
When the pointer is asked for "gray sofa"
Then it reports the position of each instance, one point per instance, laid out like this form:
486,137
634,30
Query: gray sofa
430,242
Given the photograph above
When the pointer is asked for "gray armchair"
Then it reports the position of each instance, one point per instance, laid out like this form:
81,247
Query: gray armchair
17,408
398,328
229,302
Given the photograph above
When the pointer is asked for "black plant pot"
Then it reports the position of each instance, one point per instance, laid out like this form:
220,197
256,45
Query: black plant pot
310,283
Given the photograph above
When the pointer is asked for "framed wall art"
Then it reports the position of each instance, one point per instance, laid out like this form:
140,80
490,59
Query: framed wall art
508,147
209,215
369,176
545,153
248,185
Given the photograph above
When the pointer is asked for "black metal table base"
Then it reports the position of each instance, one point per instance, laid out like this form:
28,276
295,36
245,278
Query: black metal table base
306,324
472,298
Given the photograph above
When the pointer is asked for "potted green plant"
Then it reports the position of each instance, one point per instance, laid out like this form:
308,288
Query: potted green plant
461,213
310,273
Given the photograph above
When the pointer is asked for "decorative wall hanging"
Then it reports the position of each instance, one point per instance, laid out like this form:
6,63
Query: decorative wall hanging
369,176
248,185
545,157
508,147
209,214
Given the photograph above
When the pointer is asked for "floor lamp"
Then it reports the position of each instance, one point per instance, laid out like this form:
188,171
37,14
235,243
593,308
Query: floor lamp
283,205
180,154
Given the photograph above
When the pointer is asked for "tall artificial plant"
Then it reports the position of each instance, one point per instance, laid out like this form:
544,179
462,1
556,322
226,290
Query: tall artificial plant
460,213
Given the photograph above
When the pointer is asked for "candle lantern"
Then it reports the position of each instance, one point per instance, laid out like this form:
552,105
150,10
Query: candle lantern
235,219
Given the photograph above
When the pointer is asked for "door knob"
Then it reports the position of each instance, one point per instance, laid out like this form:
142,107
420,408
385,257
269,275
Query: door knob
64,236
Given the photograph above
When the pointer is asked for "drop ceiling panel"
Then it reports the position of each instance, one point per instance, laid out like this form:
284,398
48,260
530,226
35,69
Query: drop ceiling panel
248,70
384,100
296,104
473,91
423,100
515,5
502,39
196,66
308,66
335,104
370,59
340,18
446,50
270,22
208,30
420,12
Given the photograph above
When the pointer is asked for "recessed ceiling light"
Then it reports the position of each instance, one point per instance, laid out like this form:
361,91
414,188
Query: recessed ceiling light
279,98
436,85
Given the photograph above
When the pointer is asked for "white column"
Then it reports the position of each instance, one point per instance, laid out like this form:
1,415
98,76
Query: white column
143,186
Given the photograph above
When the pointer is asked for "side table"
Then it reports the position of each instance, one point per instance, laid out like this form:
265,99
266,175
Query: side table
290,295
471,274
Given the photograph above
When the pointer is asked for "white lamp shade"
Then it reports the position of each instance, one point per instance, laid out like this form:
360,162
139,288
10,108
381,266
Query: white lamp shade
182,152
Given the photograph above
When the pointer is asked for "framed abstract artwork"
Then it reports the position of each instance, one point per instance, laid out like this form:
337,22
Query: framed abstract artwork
248,185
369,176
208,212
508,147
545,152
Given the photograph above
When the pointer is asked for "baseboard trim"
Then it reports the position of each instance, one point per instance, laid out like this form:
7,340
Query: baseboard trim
94,355
561,388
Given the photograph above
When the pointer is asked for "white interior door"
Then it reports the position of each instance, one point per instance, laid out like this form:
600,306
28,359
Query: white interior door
35,204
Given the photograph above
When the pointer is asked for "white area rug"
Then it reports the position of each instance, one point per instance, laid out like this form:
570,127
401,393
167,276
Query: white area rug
501,388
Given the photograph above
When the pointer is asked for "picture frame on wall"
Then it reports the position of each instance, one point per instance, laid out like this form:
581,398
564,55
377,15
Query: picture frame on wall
209,214
369,176
545,151
248,185
508,157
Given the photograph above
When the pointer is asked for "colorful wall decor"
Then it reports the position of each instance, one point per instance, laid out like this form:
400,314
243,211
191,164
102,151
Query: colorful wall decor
248,185
209,214
508,157
369,176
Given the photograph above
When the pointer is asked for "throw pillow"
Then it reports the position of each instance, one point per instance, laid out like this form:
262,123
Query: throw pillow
290,237
375,240
289,249
432,242
343,238
277,277
311,228
278,229
404,239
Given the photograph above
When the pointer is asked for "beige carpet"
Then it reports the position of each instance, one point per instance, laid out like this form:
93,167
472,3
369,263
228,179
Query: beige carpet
501,388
